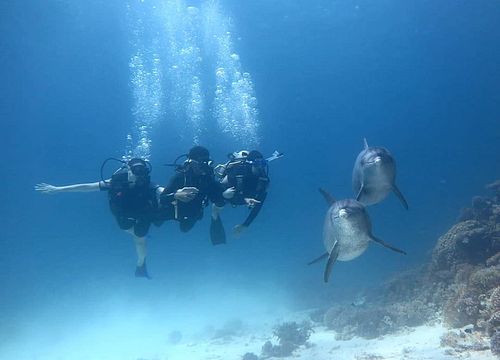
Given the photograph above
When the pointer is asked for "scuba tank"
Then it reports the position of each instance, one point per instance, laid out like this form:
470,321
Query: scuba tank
132,173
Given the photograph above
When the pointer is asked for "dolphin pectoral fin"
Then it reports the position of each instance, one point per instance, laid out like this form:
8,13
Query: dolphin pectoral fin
400,196
334,254
383,243
360,192
365,143
324,256
328,197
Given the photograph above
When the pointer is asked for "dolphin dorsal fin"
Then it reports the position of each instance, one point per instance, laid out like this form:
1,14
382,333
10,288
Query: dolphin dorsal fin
328,197
366,143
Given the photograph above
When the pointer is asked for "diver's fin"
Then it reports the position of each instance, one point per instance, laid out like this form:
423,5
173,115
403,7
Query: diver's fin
360,192
365,143
334,254
217,232
383,243
324,256
142,271
328,197
400,196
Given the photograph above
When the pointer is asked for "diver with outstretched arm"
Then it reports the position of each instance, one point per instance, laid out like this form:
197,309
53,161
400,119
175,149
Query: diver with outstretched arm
245,179
133,200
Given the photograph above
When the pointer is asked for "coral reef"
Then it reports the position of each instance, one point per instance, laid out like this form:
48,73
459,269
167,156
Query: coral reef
495,343
470,254
464,340
250,356
290,337
461,283
378,319
467,242
291,332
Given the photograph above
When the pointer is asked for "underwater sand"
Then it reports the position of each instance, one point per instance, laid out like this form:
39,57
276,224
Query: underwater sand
418,343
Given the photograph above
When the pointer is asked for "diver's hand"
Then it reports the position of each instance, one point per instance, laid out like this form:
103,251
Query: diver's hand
46,188
229,193
238,229
251,202
186,194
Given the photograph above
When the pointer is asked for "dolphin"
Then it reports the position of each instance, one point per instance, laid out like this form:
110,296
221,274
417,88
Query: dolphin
347,232
374,176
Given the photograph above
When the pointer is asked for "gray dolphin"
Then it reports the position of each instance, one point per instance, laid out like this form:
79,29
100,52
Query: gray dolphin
374,176
347,231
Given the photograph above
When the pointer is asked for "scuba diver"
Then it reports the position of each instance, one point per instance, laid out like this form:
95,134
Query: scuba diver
133,200
189,191
245,178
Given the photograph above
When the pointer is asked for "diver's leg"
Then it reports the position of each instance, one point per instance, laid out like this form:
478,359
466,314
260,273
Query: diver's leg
140,249
140,246
141,228
187,224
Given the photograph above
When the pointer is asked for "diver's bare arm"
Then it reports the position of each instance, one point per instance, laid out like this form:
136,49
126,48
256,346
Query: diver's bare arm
51,189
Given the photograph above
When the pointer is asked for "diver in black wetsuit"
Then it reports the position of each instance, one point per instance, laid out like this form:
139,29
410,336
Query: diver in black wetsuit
189,191
133,200
245,180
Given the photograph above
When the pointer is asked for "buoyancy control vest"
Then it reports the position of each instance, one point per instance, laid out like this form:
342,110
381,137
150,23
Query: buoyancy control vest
130,194
247,184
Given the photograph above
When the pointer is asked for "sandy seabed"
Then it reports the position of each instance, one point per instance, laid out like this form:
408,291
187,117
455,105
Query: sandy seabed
417,343
123,342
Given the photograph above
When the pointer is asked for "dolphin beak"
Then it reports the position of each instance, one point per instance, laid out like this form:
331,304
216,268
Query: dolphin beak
343,213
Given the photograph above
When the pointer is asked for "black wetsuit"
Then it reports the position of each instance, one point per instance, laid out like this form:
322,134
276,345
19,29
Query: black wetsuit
133,206
188,213
247,185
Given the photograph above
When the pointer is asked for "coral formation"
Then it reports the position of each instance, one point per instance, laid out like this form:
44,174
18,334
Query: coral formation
290,337
250,356
464,340
294,333
468,242
495,343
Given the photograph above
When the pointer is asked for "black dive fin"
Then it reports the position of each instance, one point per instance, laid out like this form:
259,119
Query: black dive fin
328,197
217,232
360,192
383,243
324,256
142,271
400,196
334,254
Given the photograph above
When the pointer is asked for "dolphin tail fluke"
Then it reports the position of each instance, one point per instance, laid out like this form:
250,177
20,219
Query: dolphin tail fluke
328,197
400,196
334,254
324,256
383,243
365,143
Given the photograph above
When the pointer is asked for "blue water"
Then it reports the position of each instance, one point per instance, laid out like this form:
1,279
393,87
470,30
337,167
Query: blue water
418,77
